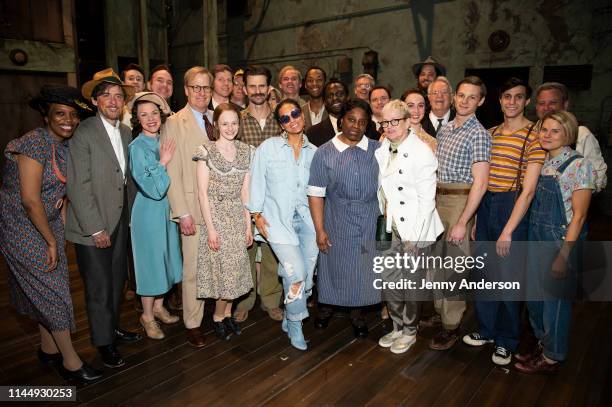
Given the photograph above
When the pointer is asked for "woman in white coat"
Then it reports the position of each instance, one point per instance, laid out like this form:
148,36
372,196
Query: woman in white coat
407,192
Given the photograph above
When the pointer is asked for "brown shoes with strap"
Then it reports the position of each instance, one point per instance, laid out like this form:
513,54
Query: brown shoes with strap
537,365
152,329
164,316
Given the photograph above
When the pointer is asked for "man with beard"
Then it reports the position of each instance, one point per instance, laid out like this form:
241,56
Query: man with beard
314,111
258,124
426,72
335,94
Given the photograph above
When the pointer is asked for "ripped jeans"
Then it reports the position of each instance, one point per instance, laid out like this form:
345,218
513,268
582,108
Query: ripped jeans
296,264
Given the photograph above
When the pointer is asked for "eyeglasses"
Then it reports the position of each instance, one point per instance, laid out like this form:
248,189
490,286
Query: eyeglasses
439,93
198,88
284,119
393,122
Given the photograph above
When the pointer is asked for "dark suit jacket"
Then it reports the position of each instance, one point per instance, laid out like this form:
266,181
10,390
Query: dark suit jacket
428,126
307,121
321,133
95,185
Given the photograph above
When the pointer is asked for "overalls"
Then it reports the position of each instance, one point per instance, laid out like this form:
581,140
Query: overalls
549,317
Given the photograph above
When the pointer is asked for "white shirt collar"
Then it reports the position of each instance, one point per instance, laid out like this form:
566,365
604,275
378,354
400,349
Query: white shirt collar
340,146
110,129
334,122
434,119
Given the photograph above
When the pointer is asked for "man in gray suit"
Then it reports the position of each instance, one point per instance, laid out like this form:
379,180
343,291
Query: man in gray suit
100,191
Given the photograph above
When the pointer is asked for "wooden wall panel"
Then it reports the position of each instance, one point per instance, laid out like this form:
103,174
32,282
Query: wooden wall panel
36,20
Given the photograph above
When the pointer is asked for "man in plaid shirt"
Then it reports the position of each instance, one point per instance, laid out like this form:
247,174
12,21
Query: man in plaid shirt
464,153
259,124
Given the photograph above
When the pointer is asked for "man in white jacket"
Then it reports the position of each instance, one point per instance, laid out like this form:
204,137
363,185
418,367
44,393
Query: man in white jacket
553,96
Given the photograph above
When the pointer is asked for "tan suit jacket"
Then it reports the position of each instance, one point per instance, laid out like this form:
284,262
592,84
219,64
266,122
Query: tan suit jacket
183,128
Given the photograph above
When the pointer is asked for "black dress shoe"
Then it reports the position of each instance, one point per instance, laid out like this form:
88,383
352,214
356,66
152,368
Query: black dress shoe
360,329
231,325
49,358
126,336
322,322
221,331
324,314
111,356
85,374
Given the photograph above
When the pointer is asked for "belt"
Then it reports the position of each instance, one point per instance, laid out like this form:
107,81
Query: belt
450,191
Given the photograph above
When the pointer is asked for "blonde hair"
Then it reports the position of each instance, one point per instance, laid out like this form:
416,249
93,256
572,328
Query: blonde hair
397,106
567,121
289,68
193,72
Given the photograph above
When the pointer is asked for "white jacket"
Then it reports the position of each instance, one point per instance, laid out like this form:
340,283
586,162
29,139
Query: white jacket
588,146
409,186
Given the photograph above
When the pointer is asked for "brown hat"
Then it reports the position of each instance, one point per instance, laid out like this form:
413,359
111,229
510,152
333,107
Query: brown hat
153,98
440,69
108,76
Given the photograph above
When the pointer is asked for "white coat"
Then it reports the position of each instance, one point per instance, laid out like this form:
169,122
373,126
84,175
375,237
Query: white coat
409,186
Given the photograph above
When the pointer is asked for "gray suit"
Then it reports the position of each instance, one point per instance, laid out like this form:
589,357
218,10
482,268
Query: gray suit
99,199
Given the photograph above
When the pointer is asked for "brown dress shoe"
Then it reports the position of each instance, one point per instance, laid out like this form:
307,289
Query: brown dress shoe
529,354
537,365
196,338
444,339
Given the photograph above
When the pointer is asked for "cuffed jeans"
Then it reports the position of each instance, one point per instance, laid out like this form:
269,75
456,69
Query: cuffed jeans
500,320
296,264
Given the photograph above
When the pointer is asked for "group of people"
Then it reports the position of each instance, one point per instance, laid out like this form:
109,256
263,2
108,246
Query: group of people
249,190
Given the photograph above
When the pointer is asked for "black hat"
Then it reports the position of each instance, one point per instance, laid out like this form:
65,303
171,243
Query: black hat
56,93
440,69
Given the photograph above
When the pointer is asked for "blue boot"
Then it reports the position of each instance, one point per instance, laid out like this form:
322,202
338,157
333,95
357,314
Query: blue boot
284,323
296,335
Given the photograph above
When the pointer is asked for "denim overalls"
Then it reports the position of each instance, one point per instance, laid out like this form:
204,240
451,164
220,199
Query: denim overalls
549,317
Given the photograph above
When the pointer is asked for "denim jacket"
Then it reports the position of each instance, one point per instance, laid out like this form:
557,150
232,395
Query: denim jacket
278,187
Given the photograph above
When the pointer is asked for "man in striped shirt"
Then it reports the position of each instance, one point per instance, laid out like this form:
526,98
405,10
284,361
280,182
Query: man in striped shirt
516,162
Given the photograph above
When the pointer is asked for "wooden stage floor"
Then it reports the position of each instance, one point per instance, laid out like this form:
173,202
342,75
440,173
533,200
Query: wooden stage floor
261,368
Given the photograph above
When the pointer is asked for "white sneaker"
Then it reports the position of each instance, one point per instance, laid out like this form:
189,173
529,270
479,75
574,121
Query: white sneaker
402,344
474,339
501,356
387,340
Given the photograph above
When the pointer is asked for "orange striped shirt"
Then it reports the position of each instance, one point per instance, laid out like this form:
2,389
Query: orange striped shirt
506,154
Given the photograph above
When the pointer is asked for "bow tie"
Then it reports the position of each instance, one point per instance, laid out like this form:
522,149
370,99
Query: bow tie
393,150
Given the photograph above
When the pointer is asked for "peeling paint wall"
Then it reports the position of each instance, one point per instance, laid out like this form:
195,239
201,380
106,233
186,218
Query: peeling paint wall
456,32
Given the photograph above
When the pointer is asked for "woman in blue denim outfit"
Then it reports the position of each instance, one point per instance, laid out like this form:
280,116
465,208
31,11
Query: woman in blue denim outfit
558,215
279,205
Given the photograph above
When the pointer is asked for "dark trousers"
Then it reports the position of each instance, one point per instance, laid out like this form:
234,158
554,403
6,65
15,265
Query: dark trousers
104,272
499,320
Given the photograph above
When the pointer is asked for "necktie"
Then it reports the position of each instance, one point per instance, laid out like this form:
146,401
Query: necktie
439,125
209,128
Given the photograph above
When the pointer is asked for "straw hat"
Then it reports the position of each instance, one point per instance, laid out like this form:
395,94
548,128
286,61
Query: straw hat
108,76
153,98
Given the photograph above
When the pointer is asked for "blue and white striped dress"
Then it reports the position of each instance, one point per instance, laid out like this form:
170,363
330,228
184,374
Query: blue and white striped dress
350,179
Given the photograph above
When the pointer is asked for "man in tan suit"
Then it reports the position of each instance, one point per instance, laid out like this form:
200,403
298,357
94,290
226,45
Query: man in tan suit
190,128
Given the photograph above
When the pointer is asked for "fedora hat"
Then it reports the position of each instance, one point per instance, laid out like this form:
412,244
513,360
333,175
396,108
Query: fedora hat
153,98
61,94
440,69
108,76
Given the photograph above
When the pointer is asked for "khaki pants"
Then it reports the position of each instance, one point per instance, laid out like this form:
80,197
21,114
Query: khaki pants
450,208
193,308
268,285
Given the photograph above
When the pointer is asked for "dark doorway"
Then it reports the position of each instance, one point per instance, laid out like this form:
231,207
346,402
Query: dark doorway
489,114
91,43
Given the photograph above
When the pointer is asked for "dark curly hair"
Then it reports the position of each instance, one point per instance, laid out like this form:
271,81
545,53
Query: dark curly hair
281,104
136,126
